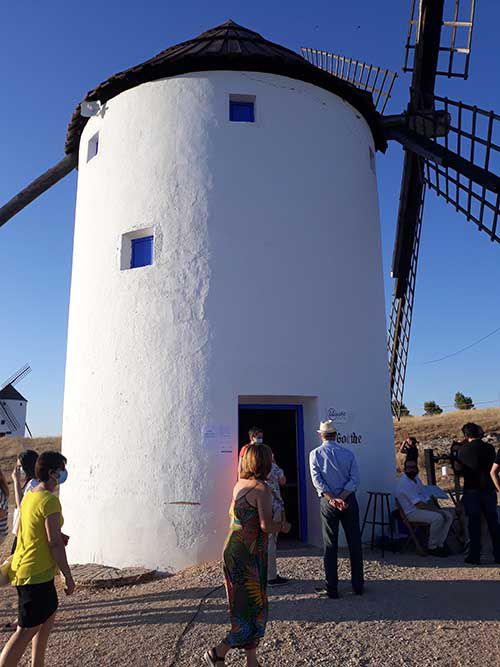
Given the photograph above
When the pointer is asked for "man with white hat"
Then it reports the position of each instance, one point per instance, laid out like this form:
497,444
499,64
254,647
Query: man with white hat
335,477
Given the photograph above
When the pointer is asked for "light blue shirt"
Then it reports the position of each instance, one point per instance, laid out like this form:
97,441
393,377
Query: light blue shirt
333,469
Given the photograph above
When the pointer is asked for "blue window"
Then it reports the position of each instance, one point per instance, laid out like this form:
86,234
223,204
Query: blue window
93,147
242,112
142,252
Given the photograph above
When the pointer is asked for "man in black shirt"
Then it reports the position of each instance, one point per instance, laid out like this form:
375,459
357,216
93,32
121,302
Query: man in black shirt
495,472
475,458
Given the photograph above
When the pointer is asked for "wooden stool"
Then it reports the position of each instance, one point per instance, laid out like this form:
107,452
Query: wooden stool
380,500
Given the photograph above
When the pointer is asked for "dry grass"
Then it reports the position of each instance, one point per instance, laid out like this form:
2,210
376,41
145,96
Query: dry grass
432,429
438,433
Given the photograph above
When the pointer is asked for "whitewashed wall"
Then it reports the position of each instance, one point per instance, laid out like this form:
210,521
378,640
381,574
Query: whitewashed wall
267,281
18,409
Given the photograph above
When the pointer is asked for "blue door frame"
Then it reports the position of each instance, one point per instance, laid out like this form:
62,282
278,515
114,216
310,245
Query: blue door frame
300,454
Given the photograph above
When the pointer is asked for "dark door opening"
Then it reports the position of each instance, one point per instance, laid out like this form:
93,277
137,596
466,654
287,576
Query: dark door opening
283,432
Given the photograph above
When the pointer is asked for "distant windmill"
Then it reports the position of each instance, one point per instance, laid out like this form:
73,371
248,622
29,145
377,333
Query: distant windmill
13,405
450,147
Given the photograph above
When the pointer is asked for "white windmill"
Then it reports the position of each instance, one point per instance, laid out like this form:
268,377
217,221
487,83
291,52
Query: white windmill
227,272
13,405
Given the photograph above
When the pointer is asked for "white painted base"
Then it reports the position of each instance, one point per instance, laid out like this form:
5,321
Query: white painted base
266,281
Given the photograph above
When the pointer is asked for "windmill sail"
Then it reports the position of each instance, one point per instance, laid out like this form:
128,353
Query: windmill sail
406,247
10,417
401,317
461,164
456,37
37,187
373,79
473,136
17,376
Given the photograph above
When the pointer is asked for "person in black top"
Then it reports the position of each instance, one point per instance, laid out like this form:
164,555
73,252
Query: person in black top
495,472
409,447
474,459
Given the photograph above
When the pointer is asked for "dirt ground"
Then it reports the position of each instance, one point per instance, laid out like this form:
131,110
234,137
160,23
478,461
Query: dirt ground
416,612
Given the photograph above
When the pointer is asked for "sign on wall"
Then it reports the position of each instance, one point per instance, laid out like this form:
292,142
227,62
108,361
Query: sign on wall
337,416
218,438
349,438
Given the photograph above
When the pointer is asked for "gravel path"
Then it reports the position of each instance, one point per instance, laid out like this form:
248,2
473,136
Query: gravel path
416,612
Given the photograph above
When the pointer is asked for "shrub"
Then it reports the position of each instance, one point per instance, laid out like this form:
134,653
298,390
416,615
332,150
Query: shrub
401,409
463,402
432,408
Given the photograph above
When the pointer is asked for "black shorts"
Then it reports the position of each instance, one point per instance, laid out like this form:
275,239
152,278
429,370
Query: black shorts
37,603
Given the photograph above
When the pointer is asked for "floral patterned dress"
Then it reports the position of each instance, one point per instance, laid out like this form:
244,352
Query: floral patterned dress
245,574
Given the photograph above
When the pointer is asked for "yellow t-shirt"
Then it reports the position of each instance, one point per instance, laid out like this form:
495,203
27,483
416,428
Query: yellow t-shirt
33,562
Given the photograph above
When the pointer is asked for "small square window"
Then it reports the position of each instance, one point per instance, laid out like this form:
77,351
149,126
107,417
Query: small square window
93,146
142,252
137,248
242,108
2,421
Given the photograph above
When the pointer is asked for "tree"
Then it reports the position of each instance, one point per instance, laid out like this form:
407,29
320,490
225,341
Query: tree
432,408
403,411
463,402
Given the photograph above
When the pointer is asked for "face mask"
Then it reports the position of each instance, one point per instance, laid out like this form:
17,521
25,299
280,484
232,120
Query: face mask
259,441
412,475
62,476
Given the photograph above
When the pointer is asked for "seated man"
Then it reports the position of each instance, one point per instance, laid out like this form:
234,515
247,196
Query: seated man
420,507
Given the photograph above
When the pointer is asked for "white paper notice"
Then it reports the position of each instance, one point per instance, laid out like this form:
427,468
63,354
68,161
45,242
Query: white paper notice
226,440
218,438
209,434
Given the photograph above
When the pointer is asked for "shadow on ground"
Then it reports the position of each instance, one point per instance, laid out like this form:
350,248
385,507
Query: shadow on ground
396,600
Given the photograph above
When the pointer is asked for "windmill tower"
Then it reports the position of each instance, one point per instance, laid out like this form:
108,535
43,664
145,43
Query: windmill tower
227,275
13,405
227,267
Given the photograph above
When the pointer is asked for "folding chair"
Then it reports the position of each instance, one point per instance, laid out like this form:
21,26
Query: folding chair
412,527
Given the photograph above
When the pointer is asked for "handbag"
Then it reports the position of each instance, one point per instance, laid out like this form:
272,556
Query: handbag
5,572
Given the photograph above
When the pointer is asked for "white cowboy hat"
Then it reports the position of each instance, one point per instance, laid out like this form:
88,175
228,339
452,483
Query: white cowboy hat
327,427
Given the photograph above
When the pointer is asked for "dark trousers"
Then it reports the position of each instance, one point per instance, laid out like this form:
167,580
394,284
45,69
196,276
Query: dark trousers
478,504
330,521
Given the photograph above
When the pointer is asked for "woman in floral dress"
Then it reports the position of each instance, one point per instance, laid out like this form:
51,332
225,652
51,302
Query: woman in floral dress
245,557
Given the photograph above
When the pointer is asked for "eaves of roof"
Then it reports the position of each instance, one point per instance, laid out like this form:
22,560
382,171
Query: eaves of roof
228,47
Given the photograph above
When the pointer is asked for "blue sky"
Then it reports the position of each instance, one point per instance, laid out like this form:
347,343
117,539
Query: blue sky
53,53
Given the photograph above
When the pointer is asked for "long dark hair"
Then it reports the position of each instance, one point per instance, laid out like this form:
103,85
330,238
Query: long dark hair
28,458
3,485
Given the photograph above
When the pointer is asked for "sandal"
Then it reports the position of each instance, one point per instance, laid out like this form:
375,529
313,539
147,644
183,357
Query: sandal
212,659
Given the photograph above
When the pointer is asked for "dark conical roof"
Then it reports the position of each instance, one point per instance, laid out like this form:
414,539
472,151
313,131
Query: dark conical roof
228,46
10,393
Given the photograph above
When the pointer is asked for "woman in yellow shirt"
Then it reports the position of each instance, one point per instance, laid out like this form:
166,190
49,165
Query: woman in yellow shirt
40,551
